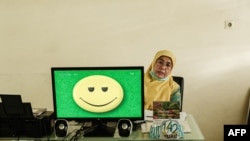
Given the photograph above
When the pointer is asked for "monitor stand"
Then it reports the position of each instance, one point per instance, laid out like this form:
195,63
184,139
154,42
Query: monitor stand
101,128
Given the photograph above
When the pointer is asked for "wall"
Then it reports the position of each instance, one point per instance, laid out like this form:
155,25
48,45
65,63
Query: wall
37,35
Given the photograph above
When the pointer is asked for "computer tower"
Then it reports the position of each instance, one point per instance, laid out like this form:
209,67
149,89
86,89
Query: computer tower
40,126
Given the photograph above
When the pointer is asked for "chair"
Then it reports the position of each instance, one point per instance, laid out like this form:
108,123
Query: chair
180,80
248,111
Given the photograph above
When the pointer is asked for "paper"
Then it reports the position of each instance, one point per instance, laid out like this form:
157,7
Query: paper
38,111
148,115
145,127
185,126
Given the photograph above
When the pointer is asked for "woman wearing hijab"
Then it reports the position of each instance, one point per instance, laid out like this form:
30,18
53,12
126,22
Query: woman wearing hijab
159,83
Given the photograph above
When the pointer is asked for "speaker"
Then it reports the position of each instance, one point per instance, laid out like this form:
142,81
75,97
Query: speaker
61,128
125,127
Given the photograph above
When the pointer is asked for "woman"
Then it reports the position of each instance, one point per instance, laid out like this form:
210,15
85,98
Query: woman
159,83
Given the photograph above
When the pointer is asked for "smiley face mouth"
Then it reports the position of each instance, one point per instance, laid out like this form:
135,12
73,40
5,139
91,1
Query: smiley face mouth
98,105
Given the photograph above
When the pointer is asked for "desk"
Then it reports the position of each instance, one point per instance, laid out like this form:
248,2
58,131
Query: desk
194,135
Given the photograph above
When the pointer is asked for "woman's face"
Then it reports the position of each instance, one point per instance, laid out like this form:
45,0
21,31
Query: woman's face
163,67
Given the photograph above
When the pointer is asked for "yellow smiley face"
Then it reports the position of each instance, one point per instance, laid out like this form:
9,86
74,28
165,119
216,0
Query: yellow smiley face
98,93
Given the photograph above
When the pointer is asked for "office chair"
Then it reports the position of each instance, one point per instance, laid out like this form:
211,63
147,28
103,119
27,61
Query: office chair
248,112
180,80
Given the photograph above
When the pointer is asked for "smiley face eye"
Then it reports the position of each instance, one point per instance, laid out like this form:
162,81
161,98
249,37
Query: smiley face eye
104,89
91,89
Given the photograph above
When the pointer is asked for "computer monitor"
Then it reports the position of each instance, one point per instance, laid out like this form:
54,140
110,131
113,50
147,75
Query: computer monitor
98,95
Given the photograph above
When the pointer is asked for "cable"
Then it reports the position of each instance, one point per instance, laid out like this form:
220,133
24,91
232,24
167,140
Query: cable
81,132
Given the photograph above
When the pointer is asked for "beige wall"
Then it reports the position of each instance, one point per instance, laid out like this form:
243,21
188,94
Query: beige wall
38,34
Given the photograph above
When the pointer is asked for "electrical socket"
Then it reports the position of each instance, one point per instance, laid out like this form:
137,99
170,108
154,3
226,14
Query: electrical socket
229,24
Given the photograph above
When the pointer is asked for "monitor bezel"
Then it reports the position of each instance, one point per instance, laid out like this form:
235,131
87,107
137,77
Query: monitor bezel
107,119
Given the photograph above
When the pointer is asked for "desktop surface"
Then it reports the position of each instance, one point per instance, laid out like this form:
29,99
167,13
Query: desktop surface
194,135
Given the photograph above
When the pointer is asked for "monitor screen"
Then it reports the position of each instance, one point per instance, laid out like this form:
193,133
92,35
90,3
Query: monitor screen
106,93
